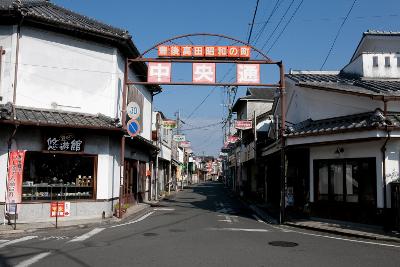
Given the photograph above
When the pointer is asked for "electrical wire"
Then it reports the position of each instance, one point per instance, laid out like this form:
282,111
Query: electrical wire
260,32
287,24
279,24
252,23
337,34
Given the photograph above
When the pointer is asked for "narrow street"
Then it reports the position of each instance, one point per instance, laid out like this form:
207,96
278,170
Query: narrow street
201,226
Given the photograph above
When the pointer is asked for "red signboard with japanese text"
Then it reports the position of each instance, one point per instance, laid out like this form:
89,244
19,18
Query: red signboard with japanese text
243,125
242,52
63,209
14,179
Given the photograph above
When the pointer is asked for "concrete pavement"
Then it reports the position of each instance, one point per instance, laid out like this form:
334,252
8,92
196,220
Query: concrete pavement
201,226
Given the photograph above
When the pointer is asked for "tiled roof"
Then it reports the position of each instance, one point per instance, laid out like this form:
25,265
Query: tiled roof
375,32
350,84
49,12
260,94
355,122
56,118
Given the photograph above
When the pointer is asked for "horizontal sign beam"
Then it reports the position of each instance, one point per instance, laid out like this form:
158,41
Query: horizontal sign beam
209,60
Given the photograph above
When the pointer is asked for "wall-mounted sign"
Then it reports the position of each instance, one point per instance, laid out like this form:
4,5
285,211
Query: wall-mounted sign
179,138
184,144
204,51
133,110
133,127
232,139
243,125
169,124
60,209
16,160
64,142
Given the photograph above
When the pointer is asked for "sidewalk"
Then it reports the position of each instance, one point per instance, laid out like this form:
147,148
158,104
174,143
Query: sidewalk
70,222
346,229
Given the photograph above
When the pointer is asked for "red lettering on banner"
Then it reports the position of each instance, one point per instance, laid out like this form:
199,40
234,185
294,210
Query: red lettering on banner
233,51
163,51
210,51
14,179
186,51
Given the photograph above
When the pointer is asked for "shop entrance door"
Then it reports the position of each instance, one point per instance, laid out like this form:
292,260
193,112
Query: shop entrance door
130,182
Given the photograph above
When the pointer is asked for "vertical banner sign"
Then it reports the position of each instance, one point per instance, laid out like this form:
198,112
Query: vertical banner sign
14,179
135,106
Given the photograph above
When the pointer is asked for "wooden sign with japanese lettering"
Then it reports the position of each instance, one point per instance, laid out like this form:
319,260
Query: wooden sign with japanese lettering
64,142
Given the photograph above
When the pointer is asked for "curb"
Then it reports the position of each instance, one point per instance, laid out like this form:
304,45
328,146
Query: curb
338,232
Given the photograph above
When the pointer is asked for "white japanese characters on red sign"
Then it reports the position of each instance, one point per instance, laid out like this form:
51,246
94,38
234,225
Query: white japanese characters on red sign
203,72
248,73
159,72
242,52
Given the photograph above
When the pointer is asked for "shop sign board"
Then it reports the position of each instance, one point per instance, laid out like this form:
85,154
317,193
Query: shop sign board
248,73
179,138
14,179
203,73
232,139
243,125
199,51
133,110
64,142
169,124
184,144
133,127
64,209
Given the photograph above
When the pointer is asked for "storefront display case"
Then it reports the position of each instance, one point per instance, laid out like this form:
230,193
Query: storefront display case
57,176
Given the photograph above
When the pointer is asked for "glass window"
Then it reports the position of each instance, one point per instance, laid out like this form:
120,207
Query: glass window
337,181
323,182
375,61
56,176
387,61
398,62
352,173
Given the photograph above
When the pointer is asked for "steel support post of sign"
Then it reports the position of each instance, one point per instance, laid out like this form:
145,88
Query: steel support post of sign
282,137
123,120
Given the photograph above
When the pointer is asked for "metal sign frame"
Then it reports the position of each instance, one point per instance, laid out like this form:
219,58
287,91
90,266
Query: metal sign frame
266,60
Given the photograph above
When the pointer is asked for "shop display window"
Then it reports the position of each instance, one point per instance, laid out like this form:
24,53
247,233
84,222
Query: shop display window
58,176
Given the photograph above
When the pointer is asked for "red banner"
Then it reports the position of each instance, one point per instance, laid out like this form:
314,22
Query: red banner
14,178
63,209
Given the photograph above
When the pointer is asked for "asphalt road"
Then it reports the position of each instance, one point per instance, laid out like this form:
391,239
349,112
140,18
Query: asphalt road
201,226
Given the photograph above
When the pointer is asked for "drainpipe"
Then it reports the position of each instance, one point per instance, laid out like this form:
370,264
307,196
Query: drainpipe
16,69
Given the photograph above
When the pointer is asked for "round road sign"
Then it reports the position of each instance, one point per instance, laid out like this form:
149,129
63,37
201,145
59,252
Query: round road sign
133,110
133,127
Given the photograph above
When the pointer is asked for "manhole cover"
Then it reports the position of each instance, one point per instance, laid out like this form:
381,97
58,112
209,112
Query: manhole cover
177,230
283,244
150,234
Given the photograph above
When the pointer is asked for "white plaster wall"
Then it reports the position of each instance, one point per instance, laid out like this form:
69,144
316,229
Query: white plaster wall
355,150
304,103
8,39
381,71
66,70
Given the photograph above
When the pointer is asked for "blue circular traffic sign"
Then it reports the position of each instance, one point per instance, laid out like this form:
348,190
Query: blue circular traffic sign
133,127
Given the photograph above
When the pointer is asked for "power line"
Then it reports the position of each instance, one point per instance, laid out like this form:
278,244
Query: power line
202,127
337,34
279,24
260,32
252,23
287,24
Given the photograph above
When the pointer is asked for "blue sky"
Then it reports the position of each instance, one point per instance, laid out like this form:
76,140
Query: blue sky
303,45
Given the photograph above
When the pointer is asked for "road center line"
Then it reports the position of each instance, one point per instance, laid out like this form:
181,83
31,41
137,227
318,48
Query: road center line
87,235
134,221
162,209
239,229
33,260
25,238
